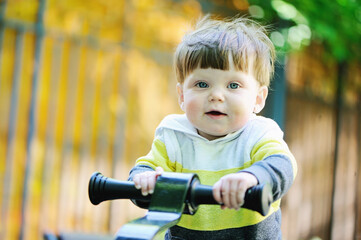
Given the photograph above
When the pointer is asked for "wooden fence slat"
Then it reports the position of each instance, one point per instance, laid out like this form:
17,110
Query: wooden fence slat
309,132
33,114
13,119
86,157
49,213
68,163
2,31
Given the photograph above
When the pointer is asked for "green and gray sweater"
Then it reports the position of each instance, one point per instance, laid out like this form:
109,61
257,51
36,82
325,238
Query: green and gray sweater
257,148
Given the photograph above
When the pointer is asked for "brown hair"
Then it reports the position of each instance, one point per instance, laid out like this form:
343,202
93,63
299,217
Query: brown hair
213,42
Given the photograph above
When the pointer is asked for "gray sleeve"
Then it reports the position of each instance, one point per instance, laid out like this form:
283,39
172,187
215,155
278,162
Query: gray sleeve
276,170
138,169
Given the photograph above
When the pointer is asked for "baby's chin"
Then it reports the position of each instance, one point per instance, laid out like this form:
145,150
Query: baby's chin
212,135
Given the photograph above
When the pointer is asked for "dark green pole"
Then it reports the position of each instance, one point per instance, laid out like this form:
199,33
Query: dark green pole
276,100
342,69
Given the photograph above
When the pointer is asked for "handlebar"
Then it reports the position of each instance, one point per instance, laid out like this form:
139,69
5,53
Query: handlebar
101,188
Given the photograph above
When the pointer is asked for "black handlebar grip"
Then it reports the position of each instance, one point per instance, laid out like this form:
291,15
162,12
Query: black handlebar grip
258,198
102,188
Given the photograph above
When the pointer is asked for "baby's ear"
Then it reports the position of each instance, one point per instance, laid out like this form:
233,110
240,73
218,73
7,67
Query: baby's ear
180,95
261,99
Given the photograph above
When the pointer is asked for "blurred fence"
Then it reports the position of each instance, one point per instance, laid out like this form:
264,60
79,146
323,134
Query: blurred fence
325,136
308,206
64,103
63,110
71,105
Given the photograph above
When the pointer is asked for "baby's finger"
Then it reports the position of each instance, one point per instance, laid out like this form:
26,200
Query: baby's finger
225,189
217,192
240,198
159,171
242,188
151,183
136,180
233,192
144,185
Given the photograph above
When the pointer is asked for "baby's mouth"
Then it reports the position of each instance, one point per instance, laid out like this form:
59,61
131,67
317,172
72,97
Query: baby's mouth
215,113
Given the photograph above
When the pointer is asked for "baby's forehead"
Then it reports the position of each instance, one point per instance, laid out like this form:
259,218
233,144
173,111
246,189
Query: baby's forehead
220,74
229,66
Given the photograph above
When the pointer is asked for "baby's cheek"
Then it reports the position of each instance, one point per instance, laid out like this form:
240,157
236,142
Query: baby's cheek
192,106
240,120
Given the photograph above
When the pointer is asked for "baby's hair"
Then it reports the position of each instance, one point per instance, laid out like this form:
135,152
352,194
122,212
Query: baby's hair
216,43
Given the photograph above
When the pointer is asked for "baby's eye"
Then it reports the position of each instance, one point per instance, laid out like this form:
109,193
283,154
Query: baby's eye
202,84
233,85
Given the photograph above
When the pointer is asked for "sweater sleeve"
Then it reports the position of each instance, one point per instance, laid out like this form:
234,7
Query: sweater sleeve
157,157
273,163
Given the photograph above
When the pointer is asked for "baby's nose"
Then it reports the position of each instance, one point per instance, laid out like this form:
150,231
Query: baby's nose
216,95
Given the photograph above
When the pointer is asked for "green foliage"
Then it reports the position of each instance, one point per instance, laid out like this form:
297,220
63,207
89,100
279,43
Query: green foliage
335,24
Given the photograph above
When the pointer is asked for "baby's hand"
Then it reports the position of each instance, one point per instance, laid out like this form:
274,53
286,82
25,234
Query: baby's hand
146,180
230,189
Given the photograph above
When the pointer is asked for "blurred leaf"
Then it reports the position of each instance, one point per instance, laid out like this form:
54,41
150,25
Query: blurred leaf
336,24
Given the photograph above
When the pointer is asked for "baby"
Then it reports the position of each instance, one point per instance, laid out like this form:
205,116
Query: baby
223,70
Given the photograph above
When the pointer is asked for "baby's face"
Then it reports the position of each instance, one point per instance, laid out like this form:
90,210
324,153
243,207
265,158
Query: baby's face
219,102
